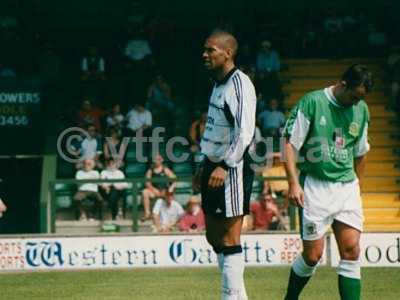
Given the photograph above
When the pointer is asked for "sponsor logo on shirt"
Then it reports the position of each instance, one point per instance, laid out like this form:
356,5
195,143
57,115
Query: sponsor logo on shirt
354,129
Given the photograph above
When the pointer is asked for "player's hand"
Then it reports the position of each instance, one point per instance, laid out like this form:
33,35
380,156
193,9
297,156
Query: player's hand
217,177
296,195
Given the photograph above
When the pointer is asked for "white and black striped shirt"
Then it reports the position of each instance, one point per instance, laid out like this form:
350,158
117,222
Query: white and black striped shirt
231,119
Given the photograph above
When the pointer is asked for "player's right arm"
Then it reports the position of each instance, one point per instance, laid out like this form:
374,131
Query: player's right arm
295,194
296,130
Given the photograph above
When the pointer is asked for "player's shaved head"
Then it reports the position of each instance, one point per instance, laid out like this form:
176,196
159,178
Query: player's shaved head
225,40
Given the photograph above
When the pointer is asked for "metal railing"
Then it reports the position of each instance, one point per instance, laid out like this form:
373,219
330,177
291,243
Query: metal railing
136,184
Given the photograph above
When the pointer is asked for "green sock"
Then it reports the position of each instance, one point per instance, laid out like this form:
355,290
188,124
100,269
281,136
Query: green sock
295,286
349,288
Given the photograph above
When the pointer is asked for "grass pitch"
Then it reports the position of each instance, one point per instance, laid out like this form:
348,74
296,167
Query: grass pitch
185,284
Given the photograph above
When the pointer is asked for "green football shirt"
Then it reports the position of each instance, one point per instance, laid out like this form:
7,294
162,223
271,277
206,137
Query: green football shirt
327,135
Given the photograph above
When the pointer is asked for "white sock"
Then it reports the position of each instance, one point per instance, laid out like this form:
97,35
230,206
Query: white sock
349,268
301,268
233,287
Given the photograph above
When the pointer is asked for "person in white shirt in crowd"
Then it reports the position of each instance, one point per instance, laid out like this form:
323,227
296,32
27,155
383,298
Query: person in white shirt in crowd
90,147
139,120
88,191
137,48
267,59
114,192
271,120
115,118
93,65
166,213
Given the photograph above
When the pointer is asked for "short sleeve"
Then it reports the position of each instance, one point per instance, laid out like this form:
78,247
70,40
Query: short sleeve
298,124
362,145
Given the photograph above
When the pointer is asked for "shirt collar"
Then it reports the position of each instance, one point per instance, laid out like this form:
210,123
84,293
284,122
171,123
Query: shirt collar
226,78
329,94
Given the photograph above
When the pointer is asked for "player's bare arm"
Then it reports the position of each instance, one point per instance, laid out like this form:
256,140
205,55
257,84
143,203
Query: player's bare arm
359,167
296,194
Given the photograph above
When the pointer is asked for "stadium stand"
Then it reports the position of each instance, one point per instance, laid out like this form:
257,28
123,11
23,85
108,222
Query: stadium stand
381,187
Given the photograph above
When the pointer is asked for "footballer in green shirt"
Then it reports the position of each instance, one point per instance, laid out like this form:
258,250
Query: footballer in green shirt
327,139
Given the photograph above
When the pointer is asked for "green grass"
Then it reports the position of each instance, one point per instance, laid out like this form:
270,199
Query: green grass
185,284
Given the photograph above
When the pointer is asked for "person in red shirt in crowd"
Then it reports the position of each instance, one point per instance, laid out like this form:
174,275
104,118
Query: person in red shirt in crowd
90,114
264,212
193,219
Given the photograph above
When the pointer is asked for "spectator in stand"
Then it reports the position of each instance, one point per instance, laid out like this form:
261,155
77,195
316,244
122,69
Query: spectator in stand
88,194
277,187
139,65
138,48
267,59
264,213
193,219
268,66
139,120
114,192
196,132
159,94
271,120
166,213
113,147
115,118
90,147
90,114
154,190
93,65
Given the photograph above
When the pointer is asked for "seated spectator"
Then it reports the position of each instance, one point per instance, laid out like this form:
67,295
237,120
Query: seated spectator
93,65
279,187
138,48
155,190
264,213
139,120
271,120
159,94
267,59
193,219
88,194
90,147
113,147
115,191
166,213
90,114
196,132
268,66
115,118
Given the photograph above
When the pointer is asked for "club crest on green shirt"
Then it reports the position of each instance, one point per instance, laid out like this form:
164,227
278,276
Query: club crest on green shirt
354,129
